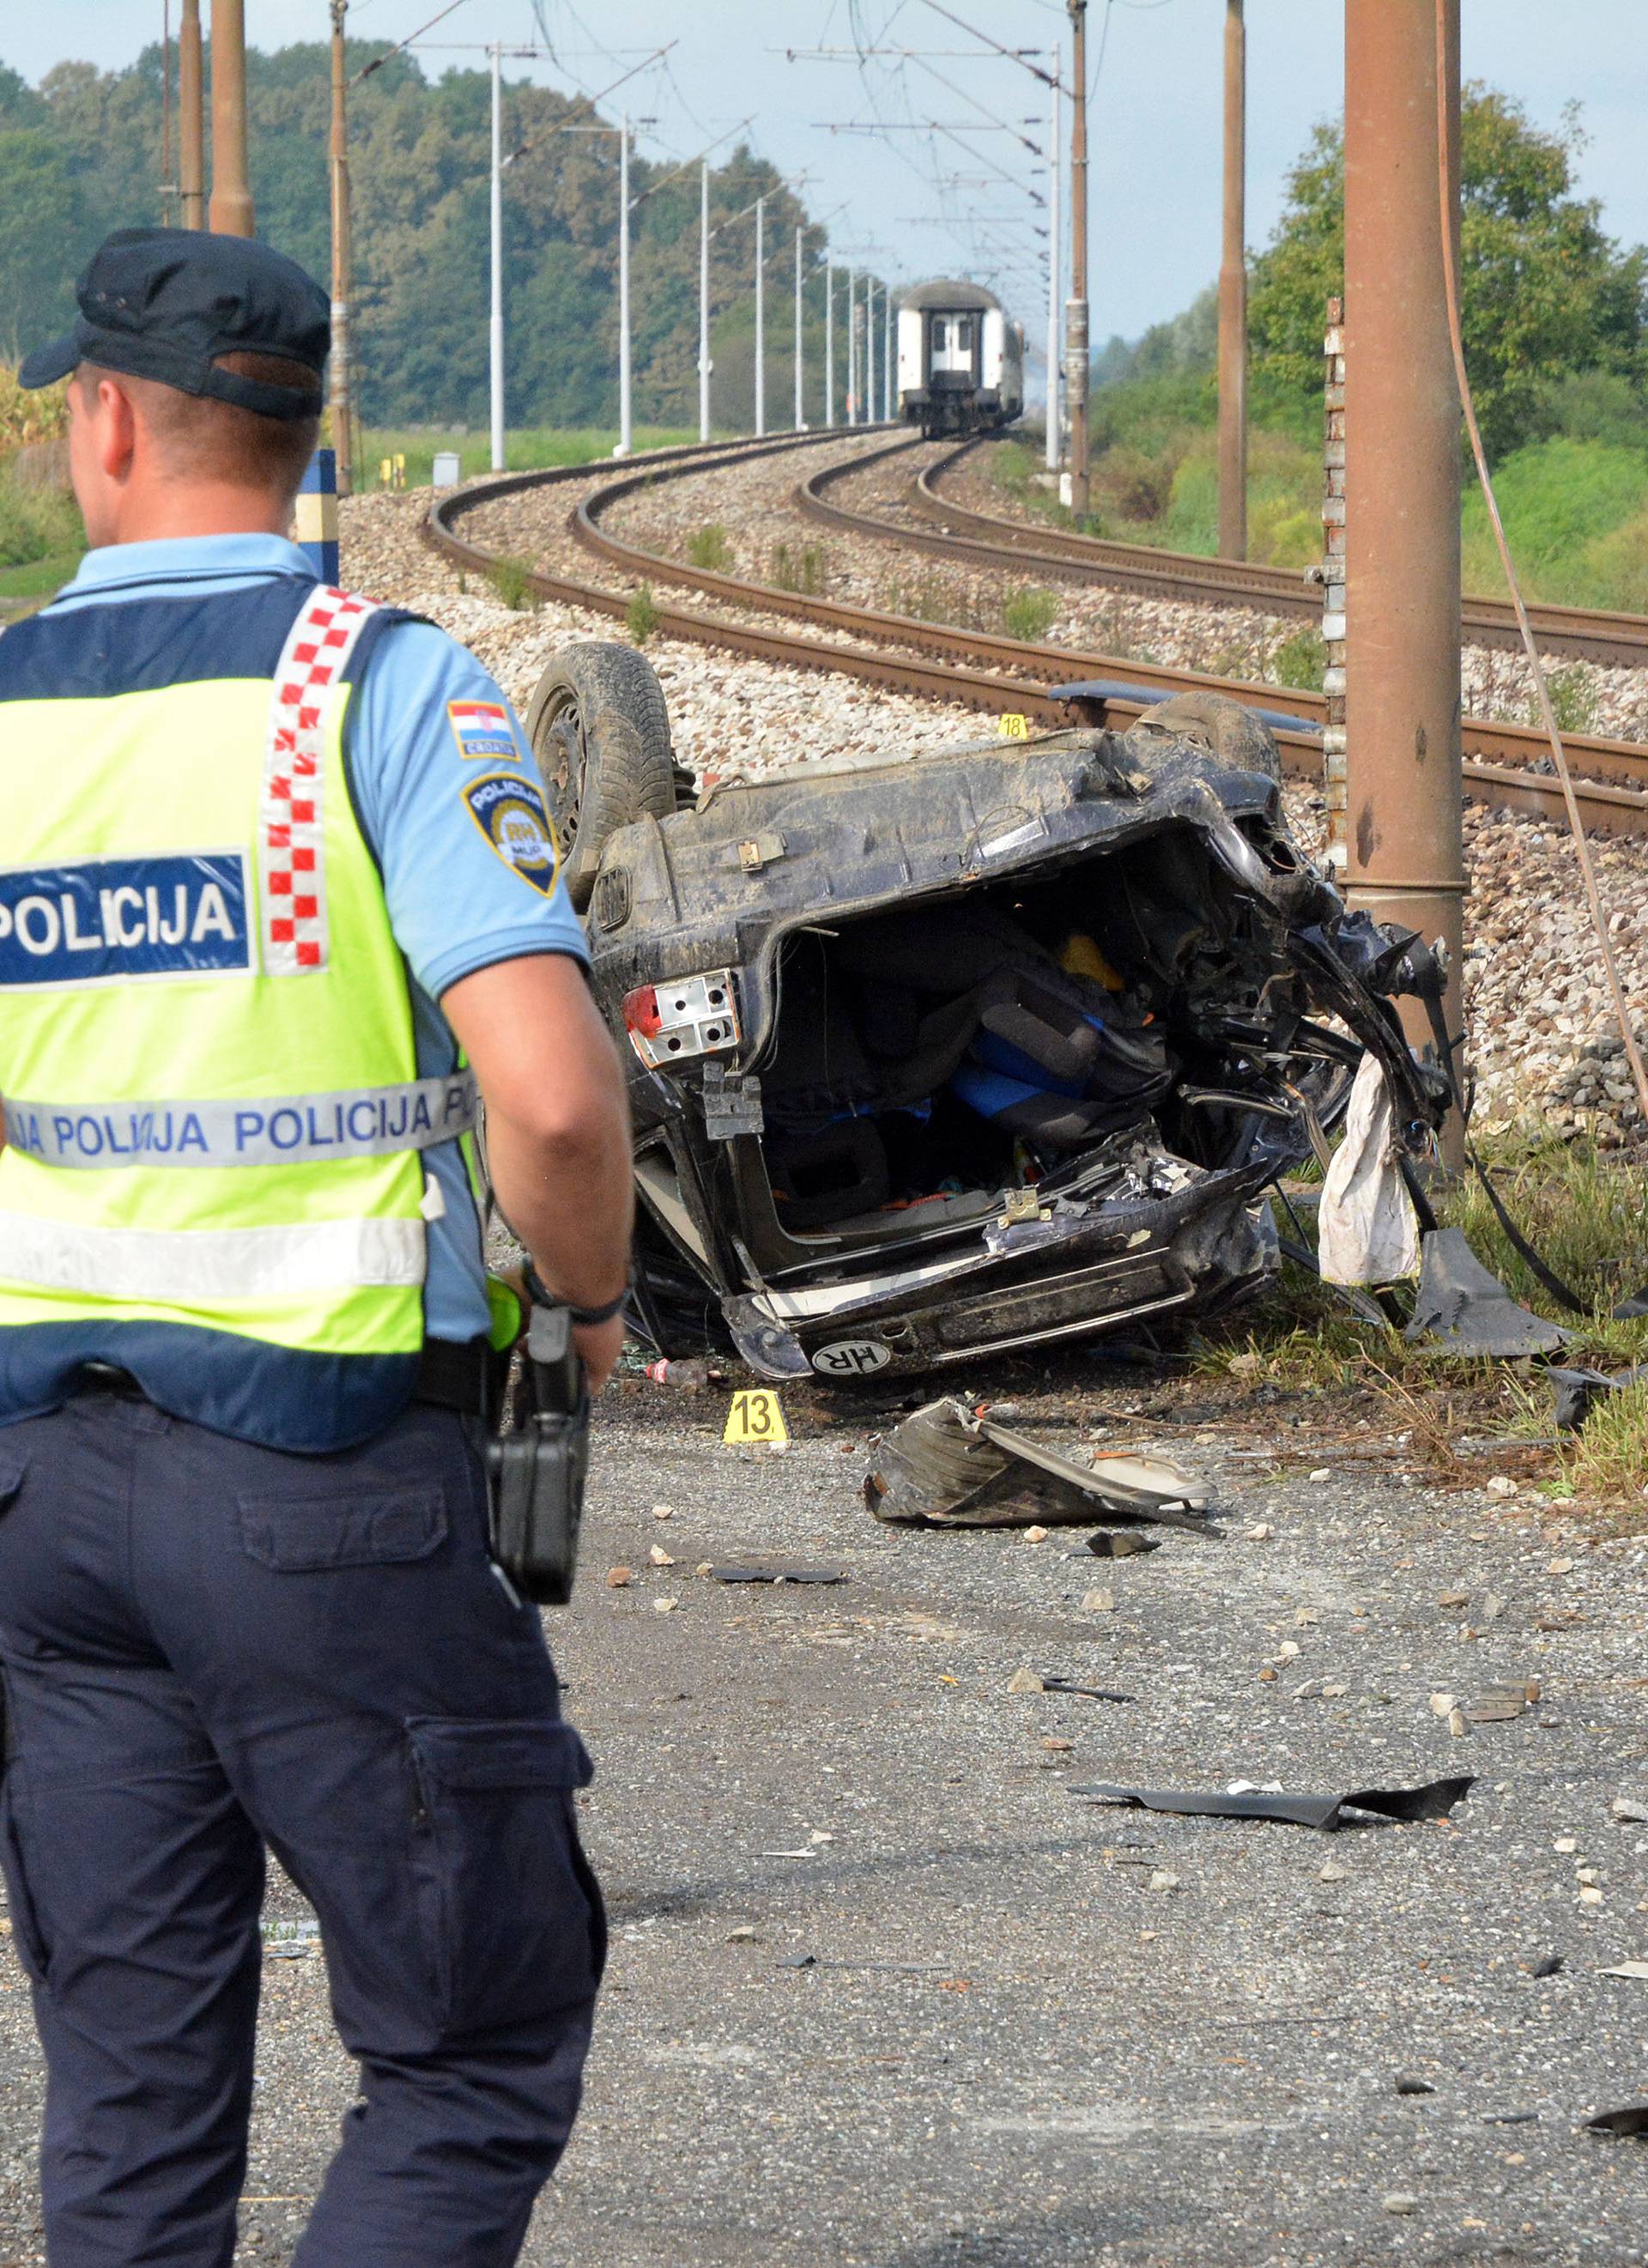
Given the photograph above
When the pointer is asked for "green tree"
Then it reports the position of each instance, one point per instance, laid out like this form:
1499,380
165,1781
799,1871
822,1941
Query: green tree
1546,292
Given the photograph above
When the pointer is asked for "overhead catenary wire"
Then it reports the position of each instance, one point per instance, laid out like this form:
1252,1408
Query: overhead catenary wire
378,62
1547,714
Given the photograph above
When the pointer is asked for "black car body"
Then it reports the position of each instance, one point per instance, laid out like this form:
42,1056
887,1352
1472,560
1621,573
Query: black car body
936,1057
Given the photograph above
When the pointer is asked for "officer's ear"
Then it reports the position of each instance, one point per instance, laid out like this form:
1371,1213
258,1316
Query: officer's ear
108,423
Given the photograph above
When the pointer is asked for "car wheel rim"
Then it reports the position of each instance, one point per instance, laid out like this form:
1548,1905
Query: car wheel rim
561,760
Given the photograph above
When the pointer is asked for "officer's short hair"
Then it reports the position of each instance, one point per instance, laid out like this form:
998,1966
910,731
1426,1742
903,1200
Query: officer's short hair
202,436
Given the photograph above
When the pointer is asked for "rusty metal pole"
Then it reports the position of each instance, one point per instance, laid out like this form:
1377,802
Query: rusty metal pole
1233,298
1075,365
341,374
231,197
1403,781
191,121
1333,582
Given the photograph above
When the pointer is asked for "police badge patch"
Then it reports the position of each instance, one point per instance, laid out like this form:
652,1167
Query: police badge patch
510,813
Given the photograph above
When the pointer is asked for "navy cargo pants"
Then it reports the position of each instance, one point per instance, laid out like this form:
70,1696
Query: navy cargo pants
210,1646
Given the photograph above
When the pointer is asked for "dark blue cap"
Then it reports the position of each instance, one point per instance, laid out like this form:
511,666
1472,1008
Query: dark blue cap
165,303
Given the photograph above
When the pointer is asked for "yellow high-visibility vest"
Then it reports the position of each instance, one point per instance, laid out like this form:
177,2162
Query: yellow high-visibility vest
213,1119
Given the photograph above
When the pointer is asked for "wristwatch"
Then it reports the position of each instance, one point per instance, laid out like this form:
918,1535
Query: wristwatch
541,1296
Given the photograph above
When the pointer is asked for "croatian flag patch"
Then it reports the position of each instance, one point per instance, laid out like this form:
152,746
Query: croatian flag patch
481,728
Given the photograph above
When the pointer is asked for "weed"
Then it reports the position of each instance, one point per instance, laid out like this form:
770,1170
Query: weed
1608,1458
641,615
1030,615
511,579
1299,660
707,548
1573,699
803,572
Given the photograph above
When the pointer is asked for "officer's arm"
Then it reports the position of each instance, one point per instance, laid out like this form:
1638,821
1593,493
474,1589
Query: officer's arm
557,1125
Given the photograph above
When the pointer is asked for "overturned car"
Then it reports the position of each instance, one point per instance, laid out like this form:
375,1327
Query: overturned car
936,1057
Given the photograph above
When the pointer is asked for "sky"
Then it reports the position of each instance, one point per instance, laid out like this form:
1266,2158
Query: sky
915,203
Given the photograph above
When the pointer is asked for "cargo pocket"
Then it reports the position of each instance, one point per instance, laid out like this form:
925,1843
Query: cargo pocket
303,1535
26,1933
511,1907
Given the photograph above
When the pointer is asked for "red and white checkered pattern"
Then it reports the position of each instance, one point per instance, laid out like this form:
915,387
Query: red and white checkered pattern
291,842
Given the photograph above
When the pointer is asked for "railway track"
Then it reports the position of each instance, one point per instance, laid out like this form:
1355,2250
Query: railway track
995,675
1582,633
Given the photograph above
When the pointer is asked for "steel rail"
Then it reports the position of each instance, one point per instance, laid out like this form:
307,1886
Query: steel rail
1584,633
973,668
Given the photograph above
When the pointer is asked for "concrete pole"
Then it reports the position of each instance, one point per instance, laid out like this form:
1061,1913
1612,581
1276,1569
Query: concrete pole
889,403
703,303
760,316
1403,785
1075,380
1055,433
495,328
829,344
852,348
342,406
800,404
626,353
232,212
191,119
870,351
1232,298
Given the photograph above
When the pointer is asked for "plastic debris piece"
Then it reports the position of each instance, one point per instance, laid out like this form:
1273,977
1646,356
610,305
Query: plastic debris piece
1549,1965
1509,2117
1121,1543
1434,1800
1635,1971
1578,1391
1051,1683
1408,2084
949,1467
1367,1230
750,1574
1468,1311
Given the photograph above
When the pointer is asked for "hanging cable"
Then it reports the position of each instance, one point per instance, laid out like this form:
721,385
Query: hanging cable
1547,714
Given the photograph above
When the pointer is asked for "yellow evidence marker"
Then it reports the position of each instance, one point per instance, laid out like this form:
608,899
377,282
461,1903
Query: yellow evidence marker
1015,725
755,1421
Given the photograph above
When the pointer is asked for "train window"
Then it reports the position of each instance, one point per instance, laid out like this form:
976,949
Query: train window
964,334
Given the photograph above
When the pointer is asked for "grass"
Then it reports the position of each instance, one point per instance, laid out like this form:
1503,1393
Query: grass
1584,1212
526,449
1575,502
641,615
511,579
38,578
1029,614
804,570
707,547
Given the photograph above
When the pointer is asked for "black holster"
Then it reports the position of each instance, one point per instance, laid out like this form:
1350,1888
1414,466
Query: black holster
536,1465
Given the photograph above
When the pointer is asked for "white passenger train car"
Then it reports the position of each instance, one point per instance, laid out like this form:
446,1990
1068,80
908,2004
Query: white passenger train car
961,360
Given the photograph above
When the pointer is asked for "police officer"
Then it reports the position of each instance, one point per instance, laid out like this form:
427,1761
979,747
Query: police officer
277,892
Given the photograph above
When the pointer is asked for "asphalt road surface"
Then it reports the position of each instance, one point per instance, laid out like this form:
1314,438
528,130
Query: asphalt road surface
1036,2032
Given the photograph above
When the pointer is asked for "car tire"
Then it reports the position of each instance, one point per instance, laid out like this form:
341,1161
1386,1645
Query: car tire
1231,733
598,729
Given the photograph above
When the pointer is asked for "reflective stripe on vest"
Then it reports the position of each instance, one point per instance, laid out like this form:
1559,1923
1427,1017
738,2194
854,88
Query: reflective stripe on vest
364,1122
229,1266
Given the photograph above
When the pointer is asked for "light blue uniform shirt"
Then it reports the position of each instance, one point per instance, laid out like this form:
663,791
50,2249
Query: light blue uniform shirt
455,903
